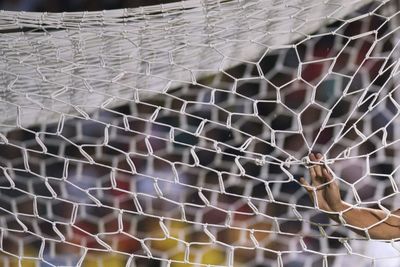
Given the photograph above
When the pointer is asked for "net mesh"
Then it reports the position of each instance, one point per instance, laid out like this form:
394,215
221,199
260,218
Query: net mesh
174,135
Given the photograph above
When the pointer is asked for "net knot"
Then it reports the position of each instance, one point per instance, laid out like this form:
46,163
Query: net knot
306,161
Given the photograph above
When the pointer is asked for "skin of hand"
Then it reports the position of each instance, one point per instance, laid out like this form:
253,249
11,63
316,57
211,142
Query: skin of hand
325,194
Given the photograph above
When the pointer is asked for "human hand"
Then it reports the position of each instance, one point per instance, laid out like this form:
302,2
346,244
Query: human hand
323,191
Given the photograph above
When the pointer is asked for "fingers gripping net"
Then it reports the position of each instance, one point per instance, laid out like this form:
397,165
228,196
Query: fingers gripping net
174,135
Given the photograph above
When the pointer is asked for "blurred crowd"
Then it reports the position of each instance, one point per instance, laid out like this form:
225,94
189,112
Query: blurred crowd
95,221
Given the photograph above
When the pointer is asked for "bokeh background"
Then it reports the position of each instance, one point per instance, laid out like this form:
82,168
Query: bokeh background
285,239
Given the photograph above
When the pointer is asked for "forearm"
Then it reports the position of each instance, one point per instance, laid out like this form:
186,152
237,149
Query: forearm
361,219
325,193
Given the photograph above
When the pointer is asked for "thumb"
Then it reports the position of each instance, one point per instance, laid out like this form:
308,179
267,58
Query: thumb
305,184
308,188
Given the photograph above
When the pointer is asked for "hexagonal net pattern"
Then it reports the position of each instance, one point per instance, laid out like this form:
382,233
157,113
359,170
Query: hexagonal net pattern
175,135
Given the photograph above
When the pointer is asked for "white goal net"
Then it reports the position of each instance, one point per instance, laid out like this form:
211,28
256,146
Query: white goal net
175,134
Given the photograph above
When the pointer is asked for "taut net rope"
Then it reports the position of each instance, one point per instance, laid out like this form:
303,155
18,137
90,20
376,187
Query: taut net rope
174,135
